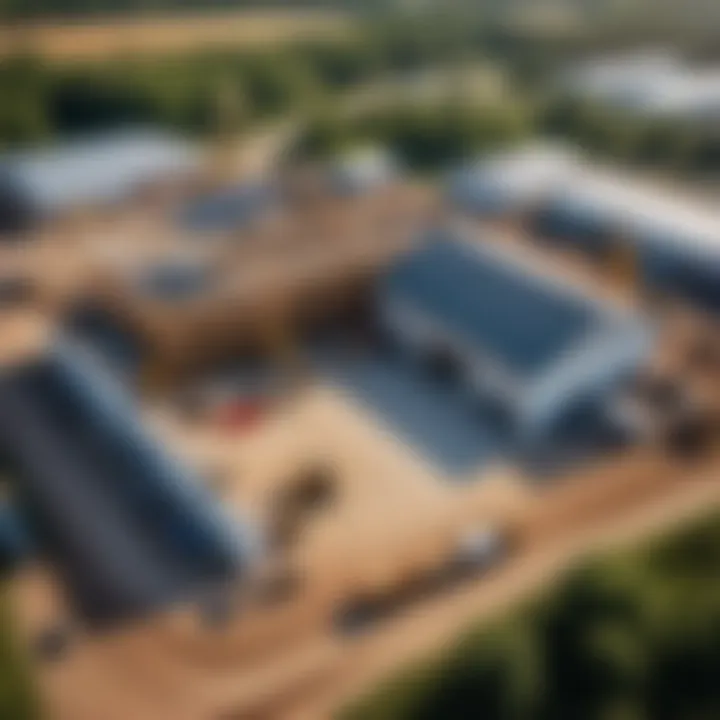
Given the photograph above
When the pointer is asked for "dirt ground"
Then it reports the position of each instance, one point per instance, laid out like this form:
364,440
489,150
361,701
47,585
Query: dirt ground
108,37
392,518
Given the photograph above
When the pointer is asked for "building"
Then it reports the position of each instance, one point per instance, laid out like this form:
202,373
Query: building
127,530
362,170
654,83
620,78
203,303
532,347
237,208
676,240
46,183
508,182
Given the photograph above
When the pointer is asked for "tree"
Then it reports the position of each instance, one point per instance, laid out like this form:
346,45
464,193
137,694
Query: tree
631,636
18,697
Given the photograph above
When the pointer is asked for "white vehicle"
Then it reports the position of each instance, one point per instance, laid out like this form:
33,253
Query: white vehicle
480,548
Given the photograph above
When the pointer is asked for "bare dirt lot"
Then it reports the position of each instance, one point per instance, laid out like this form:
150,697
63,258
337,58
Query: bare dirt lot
392,516
108,37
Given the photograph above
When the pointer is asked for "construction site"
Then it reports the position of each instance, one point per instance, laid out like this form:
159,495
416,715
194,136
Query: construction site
265,439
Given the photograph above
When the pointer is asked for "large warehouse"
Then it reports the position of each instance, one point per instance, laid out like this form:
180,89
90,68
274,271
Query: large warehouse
127,530
106,169
677,241
519,339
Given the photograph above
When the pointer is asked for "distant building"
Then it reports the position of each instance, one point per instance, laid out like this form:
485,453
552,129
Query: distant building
533,347
676,240
362,170
44,183
650,83
621,78
508,182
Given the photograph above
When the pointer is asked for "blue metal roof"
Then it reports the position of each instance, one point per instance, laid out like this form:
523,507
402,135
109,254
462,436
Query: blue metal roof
442,423
129,529
511,315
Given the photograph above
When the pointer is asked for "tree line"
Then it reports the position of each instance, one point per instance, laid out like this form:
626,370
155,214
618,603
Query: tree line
633,635
203,92
43,101
30,9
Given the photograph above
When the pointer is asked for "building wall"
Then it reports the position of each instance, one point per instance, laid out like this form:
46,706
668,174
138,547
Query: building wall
422,338
592,370
590,373
670,264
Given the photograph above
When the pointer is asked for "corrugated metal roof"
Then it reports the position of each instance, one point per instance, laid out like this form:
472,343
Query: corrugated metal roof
520,319
512,177
657,82
127,530
99,169
640,212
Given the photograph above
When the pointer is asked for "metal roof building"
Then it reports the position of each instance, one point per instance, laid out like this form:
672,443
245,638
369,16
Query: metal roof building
127,530
509,181
519,337
677,240
616,78
98,170
362,170
653,82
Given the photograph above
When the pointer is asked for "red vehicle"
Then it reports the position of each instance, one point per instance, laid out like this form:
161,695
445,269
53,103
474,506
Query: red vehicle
240,414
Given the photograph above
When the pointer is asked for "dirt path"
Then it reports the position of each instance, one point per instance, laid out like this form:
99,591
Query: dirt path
395,517
426,627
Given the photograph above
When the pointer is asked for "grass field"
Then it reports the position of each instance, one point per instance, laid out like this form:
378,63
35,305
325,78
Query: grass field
108,37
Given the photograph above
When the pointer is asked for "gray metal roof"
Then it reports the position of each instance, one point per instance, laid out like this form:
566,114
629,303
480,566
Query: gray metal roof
103,168
519,319
639,212
509,180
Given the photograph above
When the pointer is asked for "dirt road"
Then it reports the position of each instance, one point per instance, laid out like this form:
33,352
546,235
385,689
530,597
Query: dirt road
427,627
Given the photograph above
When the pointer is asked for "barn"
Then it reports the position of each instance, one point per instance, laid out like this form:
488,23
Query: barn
518,339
